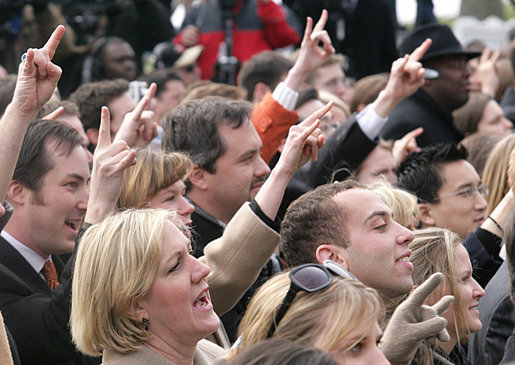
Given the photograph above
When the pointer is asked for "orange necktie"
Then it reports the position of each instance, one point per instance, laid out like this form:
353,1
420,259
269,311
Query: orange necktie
50,275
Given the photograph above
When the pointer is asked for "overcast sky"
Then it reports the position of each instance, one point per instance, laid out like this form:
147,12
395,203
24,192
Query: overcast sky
407,9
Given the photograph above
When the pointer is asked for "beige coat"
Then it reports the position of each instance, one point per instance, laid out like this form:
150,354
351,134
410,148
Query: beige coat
206,354
235,260
237,257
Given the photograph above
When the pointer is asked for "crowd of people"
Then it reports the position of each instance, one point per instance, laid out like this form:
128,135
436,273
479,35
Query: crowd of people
296,218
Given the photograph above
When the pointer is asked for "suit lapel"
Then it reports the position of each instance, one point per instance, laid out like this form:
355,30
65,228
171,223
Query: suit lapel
15,262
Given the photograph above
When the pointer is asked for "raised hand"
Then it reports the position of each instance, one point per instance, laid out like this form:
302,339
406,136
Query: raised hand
406,77
303,142
406,145
38,76
139,126
485,78
311,56
413,321
109,163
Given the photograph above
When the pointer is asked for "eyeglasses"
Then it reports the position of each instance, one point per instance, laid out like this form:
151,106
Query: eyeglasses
468,193
309,278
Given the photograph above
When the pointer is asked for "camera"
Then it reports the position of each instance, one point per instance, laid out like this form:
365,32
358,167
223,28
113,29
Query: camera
137,89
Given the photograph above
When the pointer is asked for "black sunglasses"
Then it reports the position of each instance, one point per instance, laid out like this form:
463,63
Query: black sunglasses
309,278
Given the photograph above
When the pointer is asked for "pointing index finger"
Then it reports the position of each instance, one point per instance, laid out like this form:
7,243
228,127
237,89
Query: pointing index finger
318,114
104,133
143,103
419,52
52,43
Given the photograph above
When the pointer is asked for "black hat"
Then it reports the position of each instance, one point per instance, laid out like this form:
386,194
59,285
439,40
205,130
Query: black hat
444,42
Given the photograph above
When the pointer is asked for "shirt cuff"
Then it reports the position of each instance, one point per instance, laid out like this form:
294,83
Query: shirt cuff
370,122
490,241
275,225
285,96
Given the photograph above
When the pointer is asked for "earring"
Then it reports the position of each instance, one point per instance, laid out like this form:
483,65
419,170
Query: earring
145,322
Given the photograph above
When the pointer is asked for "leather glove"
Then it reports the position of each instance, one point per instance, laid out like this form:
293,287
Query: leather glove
412,322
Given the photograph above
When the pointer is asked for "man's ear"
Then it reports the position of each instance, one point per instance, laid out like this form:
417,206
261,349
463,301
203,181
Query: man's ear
333,253
198,178
136,312
92,134
16,193
426,215
260,91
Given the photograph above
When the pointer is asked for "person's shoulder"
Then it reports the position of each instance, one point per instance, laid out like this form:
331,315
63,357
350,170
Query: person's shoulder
207,352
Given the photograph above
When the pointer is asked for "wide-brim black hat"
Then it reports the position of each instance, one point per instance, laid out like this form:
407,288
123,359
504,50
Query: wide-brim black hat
444,42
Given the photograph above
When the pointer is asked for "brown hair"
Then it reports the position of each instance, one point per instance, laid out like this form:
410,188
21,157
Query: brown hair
367,90
203,88
467,117
312,219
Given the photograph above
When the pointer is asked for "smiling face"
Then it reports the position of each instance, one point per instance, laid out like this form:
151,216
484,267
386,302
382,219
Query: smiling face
469,292
493,120
456,210
172,198
240,171
378,253
53,214
178,304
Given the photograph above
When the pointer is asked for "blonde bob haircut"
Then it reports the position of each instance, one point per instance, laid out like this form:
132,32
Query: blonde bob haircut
154,170
326,319
433,250
116,264
495,173
404,206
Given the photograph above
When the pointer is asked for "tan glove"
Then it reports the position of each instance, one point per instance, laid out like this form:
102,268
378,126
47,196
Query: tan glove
412,322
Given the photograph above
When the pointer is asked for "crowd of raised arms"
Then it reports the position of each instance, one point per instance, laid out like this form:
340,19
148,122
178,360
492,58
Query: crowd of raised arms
305,216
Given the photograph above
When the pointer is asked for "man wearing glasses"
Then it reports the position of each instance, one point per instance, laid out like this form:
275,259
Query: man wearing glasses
451,195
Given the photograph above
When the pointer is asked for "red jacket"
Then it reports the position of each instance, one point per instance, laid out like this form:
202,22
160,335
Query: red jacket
272,122
259,25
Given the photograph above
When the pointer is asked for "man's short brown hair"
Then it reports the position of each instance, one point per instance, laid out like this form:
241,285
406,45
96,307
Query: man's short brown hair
92,96
314,219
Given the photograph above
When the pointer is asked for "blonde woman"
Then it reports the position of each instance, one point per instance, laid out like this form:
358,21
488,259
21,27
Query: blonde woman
156,180
495,173
440,250
404,205
341,319
138,296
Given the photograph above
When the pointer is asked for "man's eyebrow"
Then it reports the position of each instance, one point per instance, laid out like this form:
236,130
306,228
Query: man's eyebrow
467,185
380,213
76,176
248,153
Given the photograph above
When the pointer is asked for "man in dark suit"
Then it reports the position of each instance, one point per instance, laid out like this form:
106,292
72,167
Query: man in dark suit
432,105
49,195
48,191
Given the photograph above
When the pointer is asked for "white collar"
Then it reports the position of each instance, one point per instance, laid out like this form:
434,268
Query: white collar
32,257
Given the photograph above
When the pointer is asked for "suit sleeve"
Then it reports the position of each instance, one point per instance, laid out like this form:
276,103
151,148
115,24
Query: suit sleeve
343,152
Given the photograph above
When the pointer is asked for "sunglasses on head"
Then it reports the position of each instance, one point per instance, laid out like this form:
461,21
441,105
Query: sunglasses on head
309,278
